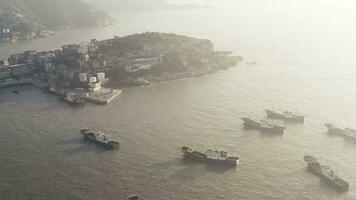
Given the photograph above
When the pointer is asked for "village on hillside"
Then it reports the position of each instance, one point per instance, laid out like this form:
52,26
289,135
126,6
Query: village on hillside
88,71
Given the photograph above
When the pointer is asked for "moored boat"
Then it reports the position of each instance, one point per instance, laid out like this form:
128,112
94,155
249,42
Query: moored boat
326,173
99,138
211,156
133,197
73,100
263,126
313,165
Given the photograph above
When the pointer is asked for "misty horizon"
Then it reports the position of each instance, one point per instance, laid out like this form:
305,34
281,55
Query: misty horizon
177,99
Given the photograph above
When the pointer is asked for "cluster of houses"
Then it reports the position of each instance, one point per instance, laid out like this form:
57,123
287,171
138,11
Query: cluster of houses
74,66
14,27
127,60
6,35
15,70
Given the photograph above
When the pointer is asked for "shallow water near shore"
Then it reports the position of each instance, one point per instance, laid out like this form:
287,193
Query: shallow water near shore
44,155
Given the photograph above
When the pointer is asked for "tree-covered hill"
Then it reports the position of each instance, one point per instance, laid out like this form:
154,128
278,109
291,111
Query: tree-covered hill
49,14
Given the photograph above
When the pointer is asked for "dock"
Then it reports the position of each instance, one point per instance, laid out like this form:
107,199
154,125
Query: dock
103,96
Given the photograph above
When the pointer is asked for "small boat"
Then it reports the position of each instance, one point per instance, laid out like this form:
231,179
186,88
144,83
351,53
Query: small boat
15,92
99,138
73,100
133,197
211,156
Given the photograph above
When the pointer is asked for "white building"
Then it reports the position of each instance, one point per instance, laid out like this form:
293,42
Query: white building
101,76
4,63
94,87
93,79
83,77
84,47
5,30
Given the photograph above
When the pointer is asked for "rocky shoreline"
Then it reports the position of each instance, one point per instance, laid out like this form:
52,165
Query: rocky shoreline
165,77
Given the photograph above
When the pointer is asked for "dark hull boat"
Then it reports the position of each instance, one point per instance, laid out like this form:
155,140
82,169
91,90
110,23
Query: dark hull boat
313,165
133,197
99,139
263,126
286,115
213,157
73,101
326,174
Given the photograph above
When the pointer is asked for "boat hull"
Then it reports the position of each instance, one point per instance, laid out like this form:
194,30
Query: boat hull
231,163
110,145
249,124
339,184
316,168
74,102
270,130
334,130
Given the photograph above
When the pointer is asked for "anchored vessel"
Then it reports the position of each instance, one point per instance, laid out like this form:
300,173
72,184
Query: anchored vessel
285,115
211,156
99,138
133,197
263,125
326,173
73,100
347,132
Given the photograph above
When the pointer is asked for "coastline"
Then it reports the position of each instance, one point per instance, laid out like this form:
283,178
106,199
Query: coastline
105,98
24,81
47,33
90,70
150,79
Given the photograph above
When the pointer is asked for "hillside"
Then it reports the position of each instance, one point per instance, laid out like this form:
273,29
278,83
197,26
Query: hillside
26,16
169,56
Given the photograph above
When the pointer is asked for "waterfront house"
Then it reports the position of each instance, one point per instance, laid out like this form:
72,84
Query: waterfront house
6,34
16,58
4,63
21,70
16,71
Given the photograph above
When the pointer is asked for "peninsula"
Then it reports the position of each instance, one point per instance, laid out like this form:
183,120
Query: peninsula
88,69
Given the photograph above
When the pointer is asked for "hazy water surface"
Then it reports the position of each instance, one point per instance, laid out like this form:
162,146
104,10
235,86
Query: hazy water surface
305,62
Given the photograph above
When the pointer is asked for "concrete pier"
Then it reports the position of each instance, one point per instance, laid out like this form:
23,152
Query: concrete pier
103,96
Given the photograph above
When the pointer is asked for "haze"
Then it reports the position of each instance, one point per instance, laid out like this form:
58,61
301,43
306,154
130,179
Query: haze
183,92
